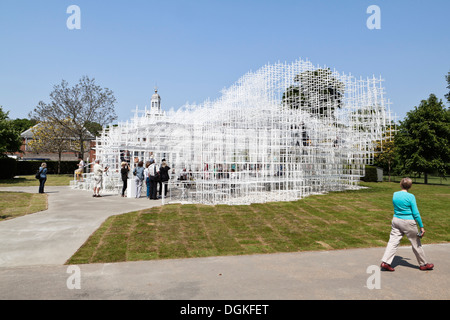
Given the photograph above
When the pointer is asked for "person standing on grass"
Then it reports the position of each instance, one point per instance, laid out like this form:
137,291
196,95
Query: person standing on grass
405,221
98,178
42,177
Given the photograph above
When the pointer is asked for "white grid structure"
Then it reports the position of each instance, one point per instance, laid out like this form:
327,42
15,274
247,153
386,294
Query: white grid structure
281,133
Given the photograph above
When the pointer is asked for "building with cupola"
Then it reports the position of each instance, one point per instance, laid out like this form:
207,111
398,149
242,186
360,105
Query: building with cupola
155,107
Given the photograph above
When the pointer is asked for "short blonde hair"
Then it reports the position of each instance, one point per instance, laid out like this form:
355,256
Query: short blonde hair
406,183
43,165
123,164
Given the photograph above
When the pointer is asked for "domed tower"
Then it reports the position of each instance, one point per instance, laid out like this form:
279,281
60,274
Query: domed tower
156,103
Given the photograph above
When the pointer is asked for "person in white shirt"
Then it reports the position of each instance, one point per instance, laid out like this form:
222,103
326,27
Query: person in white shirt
153,172
98,178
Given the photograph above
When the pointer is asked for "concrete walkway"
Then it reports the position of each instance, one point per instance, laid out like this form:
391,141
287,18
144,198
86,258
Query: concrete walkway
34,248
51,237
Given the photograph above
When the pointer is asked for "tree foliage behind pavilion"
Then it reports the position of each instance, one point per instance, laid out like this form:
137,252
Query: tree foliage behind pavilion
76,108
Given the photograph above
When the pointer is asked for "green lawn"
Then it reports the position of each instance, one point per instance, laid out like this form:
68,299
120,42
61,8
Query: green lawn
16,204
338,220
30,181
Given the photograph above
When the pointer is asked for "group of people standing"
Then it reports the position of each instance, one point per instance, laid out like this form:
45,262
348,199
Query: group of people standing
154,176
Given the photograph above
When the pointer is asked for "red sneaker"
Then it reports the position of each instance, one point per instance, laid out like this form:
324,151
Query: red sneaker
428,266
387,267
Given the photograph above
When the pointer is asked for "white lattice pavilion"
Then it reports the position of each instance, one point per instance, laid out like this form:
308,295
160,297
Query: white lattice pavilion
281,133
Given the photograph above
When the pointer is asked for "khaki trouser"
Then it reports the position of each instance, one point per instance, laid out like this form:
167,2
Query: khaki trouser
401,227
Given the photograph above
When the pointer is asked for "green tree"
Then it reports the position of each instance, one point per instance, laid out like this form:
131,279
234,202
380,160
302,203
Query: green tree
10,140
22,125
385,151
423,138
52,137
317,92
94,128
447,77
83,104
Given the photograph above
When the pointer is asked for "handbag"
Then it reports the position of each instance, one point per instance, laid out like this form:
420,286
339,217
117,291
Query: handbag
38,174
156,175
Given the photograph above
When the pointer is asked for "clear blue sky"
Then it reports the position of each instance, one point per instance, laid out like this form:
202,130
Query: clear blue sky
193,49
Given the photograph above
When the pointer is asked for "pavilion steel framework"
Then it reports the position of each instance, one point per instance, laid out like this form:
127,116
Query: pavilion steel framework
281,133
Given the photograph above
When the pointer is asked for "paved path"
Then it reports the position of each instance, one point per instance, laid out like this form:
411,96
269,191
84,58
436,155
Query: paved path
34,248
51,237
288,276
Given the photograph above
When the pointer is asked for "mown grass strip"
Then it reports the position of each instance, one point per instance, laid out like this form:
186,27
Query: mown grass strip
338,220
17,204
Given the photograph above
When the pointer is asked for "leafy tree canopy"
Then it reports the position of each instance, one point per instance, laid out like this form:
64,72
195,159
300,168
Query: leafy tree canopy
423,138
82,104
52,137
317,92
447,77
385,151
10,140
22,125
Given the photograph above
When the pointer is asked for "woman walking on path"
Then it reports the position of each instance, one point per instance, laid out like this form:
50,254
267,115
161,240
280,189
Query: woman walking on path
42,177
405,220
